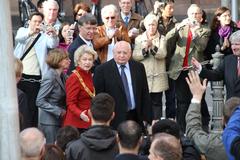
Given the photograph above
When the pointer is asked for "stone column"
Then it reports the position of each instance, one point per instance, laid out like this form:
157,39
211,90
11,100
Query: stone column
9,117
234,10
225,3
217,95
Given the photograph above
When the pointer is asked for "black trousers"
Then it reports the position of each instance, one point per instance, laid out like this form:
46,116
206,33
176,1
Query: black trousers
156,102
170,99
31,90
184,96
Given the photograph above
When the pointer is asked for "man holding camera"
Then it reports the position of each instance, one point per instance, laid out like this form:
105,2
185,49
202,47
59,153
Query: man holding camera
189,38
32,47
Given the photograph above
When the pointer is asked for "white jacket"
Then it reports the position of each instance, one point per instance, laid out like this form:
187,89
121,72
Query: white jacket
41,46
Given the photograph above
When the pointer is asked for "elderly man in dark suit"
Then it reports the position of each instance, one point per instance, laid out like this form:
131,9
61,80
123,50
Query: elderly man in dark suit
125,80
87,26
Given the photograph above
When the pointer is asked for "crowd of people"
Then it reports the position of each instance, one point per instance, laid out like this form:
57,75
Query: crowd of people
92,91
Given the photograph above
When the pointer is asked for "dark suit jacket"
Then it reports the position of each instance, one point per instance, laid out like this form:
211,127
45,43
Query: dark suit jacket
227,71
71,49
51,99
107,79
23,109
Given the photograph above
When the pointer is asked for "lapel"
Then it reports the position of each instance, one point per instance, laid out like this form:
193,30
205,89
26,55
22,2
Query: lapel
234,62
199,32
116,74
58,79
133,77
80,41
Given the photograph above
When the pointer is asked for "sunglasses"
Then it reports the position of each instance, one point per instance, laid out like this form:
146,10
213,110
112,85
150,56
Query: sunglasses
110,18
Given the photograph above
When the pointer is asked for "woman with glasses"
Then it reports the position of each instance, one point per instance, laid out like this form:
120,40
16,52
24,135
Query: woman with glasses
80,9
109,33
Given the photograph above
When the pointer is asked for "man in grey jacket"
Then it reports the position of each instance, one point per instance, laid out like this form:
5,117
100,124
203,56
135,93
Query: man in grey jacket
209,144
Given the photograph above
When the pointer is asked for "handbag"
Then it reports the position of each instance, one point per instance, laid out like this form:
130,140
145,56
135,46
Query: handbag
30,47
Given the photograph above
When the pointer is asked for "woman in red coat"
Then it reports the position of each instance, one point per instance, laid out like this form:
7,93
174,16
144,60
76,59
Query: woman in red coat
80,89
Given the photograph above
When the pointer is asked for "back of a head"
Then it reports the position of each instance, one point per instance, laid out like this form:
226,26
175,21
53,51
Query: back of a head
53,152
166,126
129,134
229,107
166,146
32,143
102,107
65,135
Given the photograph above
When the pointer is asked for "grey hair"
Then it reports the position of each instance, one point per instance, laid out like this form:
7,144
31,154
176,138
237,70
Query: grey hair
48,2
235,37
110,7
32,142
193,6
149,19
82,50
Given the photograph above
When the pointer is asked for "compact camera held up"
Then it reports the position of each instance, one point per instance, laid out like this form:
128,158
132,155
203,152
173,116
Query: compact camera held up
49,29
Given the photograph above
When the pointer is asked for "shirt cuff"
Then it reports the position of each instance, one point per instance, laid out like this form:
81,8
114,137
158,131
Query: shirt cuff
195,101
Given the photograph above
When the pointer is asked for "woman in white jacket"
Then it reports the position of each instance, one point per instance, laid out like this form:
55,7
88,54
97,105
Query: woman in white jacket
150,49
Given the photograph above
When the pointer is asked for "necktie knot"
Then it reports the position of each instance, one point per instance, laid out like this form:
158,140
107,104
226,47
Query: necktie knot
126,20
122,67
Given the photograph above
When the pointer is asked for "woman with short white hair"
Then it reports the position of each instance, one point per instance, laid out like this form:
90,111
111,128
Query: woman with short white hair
80,89
150,49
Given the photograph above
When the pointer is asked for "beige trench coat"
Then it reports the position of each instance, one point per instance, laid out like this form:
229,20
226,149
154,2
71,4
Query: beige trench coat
155,65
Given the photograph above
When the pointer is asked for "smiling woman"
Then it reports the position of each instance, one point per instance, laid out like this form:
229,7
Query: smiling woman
80,89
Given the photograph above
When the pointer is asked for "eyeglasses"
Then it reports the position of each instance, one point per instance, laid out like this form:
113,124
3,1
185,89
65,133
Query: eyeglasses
110,18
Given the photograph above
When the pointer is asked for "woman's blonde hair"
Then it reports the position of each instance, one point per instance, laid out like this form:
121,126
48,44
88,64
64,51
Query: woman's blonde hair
82,50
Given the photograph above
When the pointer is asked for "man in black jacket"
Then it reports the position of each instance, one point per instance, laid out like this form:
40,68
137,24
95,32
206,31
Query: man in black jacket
99,141
86,25
129,140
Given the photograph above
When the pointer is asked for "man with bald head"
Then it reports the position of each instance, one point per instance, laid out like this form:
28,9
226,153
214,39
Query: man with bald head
32,142
165,147
125,80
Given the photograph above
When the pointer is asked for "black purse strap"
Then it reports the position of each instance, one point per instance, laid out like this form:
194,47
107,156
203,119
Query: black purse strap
30,47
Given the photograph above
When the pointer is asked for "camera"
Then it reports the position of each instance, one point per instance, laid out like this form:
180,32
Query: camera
70,33
193,22
45,28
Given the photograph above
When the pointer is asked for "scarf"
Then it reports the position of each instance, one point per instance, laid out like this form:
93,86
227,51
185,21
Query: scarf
224,31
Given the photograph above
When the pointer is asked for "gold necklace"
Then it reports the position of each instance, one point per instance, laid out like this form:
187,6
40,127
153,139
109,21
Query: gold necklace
90,93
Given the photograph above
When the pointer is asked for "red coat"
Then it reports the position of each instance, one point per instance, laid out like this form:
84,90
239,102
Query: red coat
78,100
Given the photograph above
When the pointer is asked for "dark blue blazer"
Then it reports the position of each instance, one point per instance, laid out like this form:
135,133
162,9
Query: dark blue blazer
72,48
107,79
